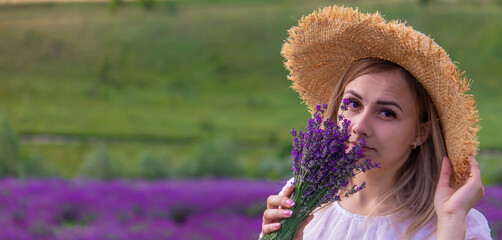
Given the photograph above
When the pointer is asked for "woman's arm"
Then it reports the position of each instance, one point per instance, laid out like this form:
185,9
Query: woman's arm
452,205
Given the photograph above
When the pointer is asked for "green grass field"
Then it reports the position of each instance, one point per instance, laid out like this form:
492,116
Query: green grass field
200,71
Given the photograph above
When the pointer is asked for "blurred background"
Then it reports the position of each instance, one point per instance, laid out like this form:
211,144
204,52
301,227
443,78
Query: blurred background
150,92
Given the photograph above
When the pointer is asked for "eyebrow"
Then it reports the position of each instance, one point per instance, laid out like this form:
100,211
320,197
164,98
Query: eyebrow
378,102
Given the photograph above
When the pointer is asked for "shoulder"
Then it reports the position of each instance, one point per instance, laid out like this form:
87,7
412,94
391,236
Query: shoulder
476,226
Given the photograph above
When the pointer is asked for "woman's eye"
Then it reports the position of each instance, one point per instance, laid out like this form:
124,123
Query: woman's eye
388,113
353,104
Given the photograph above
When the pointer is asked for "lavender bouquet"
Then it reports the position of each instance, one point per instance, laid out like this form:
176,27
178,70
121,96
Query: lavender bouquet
322,168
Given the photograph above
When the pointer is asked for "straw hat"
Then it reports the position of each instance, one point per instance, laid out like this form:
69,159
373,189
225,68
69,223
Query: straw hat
328,41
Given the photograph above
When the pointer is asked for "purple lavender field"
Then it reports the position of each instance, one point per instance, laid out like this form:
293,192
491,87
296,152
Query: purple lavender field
136,209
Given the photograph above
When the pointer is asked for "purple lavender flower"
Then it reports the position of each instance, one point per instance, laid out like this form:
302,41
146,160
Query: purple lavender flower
149,210
322,167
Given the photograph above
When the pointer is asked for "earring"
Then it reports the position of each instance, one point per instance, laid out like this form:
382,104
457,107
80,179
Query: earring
414,145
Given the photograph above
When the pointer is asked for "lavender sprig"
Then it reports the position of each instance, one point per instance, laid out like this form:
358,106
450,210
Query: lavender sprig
322,168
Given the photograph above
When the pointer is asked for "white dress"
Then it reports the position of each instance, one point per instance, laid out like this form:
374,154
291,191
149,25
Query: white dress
334,222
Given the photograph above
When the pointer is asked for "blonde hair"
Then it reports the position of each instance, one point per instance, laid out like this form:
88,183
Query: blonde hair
417,179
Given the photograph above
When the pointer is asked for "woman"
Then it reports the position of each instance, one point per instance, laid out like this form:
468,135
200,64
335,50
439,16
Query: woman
408,101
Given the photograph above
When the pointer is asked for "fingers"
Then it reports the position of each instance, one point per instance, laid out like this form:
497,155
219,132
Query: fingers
268,228
277,209
444,177
276,201
288,190
458,202
475,177
475,171
274,215
271,219
282,199
472,191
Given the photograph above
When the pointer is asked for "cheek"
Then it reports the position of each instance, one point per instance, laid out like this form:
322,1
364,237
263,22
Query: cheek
349,115
396,137
346,115
341,112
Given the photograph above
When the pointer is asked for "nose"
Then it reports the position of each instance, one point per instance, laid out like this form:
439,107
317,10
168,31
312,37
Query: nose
360,124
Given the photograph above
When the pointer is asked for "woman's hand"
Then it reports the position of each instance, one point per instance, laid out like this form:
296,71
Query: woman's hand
277,209
452,205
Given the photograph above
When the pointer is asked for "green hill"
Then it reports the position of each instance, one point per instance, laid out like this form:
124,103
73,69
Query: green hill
184,73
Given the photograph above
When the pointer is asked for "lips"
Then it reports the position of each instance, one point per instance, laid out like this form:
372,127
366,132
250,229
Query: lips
365,148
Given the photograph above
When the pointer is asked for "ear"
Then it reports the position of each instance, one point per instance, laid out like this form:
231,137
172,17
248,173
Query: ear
424,132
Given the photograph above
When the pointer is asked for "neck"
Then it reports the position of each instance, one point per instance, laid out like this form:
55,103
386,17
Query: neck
366,201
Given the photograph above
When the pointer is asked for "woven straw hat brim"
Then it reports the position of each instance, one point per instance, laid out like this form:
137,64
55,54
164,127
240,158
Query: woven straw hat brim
328,41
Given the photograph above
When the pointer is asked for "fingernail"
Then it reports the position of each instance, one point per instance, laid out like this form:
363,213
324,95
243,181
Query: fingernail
277,225
290,202
288,212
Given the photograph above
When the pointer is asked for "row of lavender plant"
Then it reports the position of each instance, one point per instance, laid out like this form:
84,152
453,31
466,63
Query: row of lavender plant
136,209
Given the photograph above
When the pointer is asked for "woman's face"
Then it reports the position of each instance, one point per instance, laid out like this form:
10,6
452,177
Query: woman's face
382,111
